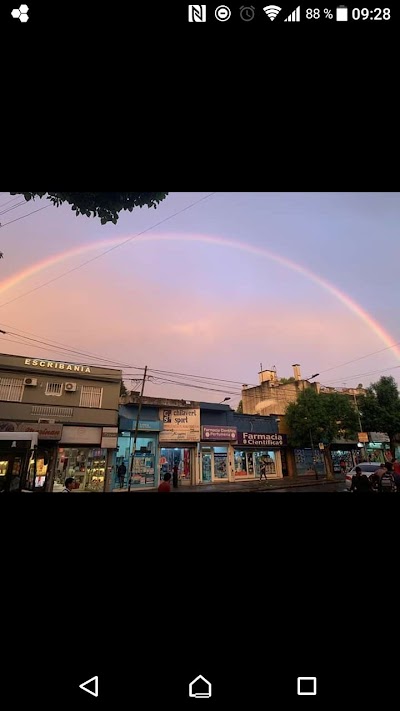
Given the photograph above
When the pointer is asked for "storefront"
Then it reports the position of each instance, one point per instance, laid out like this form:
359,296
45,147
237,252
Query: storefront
378,447
216,453
82,454
178,441
347,452
17,458
258,454
142,463
308,461
33,473
181,457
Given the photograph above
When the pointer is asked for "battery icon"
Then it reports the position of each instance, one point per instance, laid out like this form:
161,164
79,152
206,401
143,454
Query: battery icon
341,14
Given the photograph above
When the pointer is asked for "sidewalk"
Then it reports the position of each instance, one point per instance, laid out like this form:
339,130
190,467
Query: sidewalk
257,485
248,486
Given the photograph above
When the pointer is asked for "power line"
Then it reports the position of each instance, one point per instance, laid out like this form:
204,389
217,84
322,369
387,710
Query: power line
27,215
16,197
13,207
200,377
106,251
58,343
360,375
64,350
360,358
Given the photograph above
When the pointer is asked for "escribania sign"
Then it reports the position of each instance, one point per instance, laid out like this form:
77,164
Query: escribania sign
57,366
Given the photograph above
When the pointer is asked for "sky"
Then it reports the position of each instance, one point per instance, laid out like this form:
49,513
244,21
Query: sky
213,291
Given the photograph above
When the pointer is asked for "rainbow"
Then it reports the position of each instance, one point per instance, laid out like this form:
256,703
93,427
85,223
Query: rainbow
341,296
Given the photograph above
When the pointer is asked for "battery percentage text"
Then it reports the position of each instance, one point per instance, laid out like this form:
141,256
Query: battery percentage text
315,13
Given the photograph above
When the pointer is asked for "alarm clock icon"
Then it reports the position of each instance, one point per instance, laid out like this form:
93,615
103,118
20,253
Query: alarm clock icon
247,13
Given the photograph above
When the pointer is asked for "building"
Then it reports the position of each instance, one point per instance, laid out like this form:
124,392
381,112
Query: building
71,408
204,442
272,395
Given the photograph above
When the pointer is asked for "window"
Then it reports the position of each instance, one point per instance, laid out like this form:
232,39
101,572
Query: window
11,389
54,388
90,396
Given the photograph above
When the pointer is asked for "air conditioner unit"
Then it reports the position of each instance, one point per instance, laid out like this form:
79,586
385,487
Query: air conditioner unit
46,422
70,387
30,381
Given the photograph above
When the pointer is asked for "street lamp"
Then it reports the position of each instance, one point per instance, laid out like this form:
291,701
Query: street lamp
224,400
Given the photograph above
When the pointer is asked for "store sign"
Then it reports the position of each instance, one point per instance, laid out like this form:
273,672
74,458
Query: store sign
81,435
144,425
379,437
217,434
54,365
109,439
180,424
44,431
251,439
363,436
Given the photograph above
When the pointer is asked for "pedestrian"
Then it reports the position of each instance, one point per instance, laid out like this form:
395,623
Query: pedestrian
165,484
263,469
396,466
386,484
359,482
68,485
121,475
175,476
376,476
343,466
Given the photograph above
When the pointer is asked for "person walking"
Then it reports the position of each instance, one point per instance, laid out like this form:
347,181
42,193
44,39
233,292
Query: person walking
121,475
165,484
376,476
175,476
263,469
68,485
386,484
360,483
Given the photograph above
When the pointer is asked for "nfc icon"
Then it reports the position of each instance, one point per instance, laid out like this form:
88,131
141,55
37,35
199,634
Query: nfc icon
197,13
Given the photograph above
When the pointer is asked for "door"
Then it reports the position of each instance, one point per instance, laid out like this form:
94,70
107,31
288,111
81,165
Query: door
220,463
11,469
214,464
206,465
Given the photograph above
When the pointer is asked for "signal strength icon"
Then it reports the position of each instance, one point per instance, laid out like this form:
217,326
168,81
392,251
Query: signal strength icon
295,16
272,11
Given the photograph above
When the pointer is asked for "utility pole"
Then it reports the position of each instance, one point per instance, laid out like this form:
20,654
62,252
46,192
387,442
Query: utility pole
136,429
313,455
360,425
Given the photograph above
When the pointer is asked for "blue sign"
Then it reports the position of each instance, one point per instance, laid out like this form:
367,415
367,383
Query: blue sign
144,425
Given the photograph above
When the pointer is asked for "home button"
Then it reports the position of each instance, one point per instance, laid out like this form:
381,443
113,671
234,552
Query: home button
200,688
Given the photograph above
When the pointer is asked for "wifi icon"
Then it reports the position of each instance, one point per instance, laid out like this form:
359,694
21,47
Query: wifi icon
272,11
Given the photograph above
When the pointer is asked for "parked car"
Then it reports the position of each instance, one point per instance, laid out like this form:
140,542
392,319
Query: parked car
366,468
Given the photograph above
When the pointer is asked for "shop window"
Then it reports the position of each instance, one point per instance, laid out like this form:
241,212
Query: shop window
54,389
91,396
143,464
11,389
86,465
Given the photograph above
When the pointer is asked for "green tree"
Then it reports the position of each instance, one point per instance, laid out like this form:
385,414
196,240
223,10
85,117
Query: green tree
106,206
380,408
286,381
323,417
123,391
239,408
